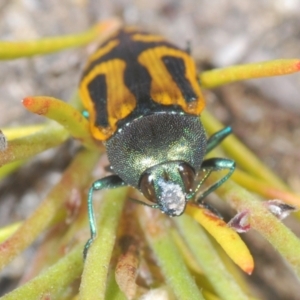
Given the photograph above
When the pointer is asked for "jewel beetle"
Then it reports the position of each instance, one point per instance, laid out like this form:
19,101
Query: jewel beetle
144,100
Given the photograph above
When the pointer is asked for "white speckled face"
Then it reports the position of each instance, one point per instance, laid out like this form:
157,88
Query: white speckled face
172,199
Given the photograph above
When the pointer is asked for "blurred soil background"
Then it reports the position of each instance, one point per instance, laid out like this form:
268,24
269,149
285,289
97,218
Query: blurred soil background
264,113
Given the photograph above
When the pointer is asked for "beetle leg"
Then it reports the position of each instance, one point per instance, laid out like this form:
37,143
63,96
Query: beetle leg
217,138
109,182
209,207
215,164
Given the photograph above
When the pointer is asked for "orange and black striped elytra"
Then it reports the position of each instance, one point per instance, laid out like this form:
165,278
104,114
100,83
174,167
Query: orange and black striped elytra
134,74
143,99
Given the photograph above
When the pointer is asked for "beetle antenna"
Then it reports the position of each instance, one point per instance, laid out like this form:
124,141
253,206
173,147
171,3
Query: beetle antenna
143,203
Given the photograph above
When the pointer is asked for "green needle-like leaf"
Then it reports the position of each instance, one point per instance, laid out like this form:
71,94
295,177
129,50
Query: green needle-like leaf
50,282
209,260
28,146
94,277
31,228
13,50
169,258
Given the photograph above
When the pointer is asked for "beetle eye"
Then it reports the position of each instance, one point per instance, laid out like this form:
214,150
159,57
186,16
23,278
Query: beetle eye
187,176
147,188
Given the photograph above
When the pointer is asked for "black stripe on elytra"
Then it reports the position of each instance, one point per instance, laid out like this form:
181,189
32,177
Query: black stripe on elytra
176,67
97,90
127,50
136,78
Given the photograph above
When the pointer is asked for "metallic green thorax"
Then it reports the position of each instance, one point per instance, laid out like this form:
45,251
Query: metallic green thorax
153,140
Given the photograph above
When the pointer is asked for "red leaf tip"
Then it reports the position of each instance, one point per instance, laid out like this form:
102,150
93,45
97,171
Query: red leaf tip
27,101
249,270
